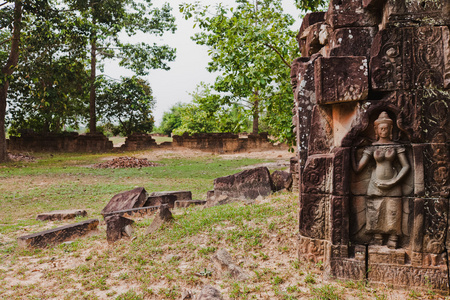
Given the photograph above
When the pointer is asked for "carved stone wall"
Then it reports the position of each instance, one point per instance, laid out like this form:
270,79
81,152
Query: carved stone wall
371,115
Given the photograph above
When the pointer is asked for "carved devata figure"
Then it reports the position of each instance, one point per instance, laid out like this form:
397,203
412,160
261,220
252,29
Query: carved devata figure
384,190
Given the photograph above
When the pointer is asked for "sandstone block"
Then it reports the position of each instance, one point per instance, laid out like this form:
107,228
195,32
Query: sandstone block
115,227
248,184
341,79
126,200
162,216
281,180
57,235
224,264
159,198
61,215
134,212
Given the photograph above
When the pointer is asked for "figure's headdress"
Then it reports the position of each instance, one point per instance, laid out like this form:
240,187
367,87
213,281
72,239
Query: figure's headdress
383,118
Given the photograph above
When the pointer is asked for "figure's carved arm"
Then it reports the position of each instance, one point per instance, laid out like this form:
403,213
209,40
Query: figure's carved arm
358,167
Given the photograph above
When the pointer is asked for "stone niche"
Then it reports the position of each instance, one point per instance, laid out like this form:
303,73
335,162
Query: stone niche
372,106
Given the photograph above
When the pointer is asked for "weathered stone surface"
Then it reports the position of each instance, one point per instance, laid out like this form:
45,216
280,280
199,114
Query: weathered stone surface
341,79
281,180
308,20
187,203
349,13
159,198
341,176
248,184
57,235
339,220
402,13
351,41
62,215
115,227
209,293
313,215
349,268
138,141
310,249
134,212
317,174
126,200
224,264
162,216
320,137
405,58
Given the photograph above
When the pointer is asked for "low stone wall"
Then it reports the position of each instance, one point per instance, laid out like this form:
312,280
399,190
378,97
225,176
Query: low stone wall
72,142
65,142
224,142
138,141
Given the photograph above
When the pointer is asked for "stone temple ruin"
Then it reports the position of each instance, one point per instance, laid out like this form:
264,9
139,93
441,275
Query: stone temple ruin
372,121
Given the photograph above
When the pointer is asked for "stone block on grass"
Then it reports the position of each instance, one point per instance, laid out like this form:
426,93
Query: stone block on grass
126,200
57,235
159,198
162,216
134,212
116,228
58,215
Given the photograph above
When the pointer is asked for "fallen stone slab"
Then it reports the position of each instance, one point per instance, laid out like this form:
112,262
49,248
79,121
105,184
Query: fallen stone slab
187,203
281,180
57,215
159,198
209,293
116,228
162,216
57,235
126,200
245,185
134,212
224,264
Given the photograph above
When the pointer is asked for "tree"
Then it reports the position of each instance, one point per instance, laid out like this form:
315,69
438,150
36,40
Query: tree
11,13
106,19
48,90
310,5
129,102
251,46
206,114
171,120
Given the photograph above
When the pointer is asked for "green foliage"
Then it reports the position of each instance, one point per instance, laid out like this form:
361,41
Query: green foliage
251,46
206,114
171,120
129,102
47,92
310,5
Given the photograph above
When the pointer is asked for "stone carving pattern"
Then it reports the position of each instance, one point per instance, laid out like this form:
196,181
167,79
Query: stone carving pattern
435,226
408,276
348,269
311,249
312,216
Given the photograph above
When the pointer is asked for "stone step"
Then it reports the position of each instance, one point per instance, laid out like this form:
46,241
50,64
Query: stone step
57,235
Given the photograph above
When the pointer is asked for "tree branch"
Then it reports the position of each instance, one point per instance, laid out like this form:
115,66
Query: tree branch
14,54
279,54
4,3
5,41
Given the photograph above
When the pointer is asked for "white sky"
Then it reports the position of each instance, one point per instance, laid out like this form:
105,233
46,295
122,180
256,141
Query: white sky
189,67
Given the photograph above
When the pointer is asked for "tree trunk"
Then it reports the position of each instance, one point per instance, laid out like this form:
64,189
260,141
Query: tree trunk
7,70
255,117
3,93
92,114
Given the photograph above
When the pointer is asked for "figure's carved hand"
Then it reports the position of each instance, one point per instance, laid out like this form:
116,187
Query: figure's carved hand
384,184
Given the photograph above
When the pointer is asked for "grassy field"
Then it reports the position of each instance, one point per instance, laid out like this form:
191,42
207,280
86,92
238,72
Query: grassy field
261,237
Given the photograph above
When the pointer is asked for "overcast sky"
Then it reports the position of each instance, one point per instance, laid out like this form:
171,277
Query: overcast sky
189,67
